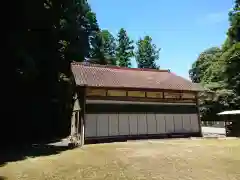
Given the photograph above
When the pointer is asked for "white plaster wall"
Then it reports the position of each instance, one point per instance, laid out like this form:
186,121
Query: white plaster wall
133,124
178,124
123,124
102,125
142,124
91,125
186,123
169,123
161,123
194,123
113,125
151,124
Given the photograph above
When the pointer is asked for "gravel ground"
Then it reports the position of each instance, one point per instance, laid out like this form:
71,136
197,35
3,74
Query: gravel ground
205,159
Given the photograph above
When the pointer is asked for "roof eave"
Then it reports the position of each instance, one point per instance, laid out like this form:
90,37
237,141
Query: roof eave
139,88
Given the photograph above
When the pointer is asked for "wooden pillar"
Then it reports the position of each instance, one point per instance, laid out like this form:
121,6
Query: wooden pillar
73,128
198,112
78,125
82,101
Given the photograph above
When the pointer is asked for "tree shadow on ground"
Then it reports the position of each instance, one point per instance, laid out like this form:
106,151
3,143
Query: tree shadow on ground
139,137
3,178
17,154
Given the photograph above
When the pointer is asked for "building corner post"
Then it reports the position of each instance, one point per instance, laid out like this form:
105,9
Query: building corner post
82,100
198,112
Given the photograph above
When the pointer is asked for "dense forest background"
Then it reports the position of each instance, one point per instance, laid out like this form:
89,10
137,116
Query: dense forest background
41,39
218,69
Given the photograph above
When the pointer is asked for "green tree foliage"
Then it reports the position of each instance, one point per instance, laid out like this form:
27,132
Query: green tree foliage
44,37
109,44
232,55
124,50
147,53
103,49
97,55
77,28
204,71
234,18
205,59
218,70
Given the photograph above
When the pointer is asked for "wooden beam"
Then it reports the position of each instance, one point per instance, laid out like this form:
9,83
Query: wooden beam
139,99
160,96
142,89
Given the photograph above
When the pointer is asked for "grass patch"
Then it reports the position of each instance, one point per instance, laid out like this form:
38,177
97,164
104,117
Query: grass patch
156,159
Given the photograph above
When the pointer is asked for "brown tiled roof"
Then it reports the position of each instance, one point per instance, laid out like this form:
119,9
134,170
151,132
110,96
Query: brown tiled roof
118,77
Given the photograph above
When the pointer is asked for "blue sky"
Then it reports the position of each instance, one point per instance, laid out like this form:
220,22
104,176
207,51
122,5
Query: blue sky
182,29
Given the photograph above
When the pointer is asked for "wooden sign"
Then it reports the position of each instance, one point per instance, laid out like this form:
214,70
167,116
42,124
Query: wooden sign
96,92
116,93
136,93
172,95
154,94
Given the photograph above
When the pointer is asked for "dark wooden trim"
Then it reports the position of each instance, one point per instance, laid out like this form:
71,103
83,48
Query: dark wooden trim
142,99
109,108
142,89
93,101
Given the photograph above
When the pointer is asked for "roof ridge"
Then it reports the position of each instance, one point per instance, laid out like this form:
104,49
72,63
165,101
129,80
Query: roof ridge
118,67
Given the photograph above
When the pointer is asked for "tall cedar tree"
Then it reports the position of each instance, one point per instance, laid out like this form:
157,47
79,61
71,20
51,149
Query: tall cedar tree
96,55
147,53
109,46
103,49
124,51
